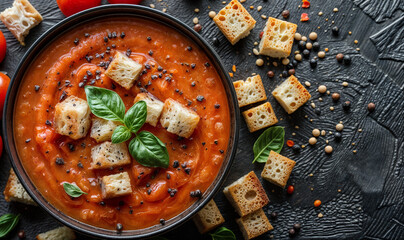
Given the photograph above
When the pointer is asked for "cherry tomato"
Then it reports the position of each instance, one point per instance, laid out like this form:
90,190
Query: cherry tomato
3,46
1,146
4,82
125,1
70,7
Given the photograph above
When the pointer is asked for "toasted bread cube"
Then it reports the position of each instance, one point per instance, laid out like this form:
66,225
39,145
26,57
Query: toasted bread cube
102,130
15,192
234,21
178,119
246,194
116,185
72,117
123,70
250,91
208,218
260,117
278,38
277,169
109,155
61,233
291,94
254,224
154,107
20,18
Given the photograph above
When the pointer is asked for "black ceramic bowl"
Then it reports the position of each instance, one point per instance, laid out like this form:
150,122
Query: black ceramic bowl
66,25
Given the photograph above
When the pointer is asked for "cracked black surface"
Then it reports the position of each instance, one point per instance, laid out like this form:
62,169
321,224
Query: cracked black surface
370,203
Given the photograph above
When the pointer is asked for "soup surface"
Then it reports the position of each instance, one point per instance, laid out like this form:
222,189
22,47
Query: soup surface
174,67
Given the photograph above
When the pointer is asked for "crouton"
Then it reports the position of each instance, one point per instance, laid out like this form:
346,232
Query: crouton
15,192
109,155
246,194
102,130
291,94
154,107
260,117
116,185
61,233
72,117
234,21
178,119
250,91
278,38
208,218
254,224
277,169
20,18
123,70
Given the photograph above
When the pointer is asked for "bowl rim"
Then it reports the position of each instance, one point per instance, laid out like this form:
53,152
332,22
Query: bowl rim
61,28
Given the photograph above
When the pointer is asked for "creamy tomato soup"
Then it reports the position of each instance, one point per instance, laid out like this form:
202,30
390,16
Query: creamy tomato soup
174,67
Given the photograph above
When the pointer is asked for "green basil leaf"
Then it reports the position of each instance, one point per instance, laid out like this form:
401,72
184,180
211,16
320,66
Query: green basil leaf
135,117
121,134
223,233
148,150
105,103
271,139
7,223
72,190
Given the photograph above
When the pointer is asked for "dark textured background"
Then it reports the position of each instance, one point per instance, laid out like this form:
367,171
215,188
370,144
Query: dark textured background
371,202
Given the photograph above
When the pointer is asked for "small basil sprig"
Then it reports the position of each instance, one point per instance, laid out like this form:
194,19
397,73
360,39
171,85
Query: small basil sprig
72,190
145,147
271,139
223,233
7,223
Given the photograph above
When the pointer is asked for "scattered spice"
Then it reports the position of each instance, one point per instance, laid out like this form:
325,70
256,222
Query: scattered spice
335,31
328,149
292,232
347,60
212,14
313,36
316,132
335,96
290,143
259,62
371,107
198,27
285,13
339,127
305,4
119,227
322,89
304,17
312,140
290,189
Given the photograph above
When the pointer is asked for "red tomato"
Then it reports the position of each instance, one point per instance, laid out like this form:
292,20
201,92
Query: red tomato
70,7
3,46
125,1
4,82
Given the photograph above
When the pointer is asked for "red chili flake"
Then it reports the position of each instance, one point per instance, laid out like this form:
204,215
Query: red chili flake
261,33
304,17
306,4
290,189
290,143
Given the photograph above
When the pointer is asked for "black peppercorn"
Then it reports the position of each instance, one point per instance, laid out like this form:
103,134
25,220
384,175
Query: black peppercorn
302,45
335,31
200,98
346,105
317,111
316,46
291,71
37,88
337,136
285,74
297,226
290,65
148,38
162,221
294,62
296,148
21,234
274,215
216,41
313,63
347,60
306,53
176,164
59,161
292,232
270,74
217,106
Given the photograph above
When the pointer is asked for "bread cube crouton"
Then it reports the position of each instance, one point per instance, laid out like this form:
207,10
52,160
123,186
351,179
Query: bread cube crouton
291,94
61,233
108,154
20,18
250,91
178,119
208,218
72,117
246,194
260,117
234,21
115,185
102,130
277,169
254,224
154,107
123,70
277,39
15,192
